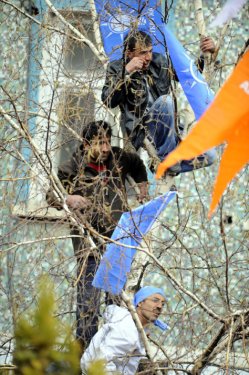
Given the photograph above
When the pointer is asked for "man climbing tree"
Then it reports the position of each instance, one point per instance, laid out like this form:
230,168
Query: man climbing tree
140,84
94,179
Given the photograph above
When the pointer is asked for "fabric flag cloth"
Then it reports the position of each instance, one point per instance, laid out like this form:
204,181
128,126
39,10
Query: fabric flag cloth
230,10
116,262
194,85
117,17
226,120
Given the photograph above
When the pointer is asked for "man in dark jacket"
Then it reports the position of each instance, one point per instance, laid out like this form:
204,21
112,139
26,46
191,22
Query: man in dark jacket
140,84
94,179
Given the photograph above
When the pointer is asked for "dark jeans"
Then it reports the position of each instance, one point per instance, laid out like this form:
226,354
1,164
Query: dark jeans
88,297
160,124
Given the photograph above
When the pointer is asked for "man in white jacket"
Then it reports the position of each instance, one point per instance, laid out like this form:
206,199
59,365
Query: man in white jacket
118,341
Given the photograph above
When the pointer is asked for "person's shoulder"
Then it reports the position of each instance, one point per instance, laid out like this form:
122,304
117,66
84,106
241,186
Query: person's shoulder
120,317
117,151
121,151
125,156
117,314
114,64
158,58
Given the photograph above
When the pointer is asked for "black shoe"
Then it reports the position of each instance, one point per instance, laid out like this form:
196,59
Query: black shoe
175,170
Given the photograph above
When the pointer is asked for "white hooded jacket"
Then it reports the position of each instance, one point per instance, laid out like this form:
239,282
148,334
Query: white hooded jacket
117,342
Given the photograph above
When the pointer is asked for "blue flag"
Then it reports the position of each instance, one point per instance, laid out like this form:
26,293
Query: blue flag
117,17
116,262
194,85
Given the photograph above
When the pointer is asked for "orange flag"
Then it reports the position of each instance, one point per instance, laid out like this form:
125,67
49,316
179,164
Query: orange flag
226,120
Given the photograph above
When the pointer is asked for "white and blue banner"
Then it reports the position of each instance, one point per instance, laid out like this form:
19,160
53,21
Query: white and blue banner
116,263
117,17
194,85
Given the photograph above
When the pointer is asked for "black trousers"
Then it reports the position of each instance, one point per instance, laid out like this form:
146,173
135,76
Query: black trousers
88,297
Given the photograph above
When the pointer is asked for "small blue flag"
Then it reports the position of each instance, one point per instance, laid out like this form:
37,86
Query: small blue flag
117,17
116,262
194,85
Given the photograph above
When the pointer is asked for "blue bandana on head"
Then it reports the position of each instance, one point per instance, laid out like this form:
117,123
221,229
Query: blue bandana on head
144,293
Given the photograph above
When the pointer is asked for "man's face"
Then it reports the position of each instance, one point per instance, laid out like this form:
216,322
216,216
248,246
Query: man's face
150,309
99,148
142,51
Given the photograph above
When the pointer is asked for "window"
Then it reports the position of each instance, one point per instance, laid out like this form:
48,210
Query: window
77,110
78,56
65,92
